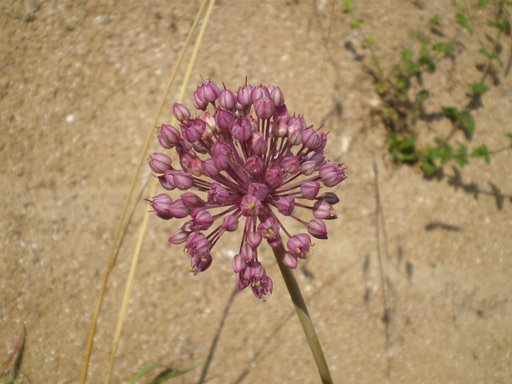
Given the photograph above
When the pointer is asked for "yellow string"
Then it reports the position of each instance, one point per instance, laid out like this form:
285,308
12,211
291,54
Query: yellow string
116,243
143,227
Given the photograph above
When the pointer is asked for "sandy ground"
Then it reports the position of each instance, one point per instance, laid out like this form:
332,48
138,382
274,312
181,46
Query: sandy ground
80,86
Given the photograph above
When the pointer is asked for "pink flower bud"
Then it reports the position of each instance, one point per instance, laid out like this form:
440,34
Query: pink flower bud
199,102
241,129
309,189
227,99
279,129
277,96
332,174
274,177
202,219
165,184
316,228
230,223
258,144
193,130
289,260
218,194
253,239
296,126
159,162
224,120
264,108
168,136
180,112
254,165
259,190
248,253
191,200
308,167
182,180
178,209
285,205
161,204
324,210
290,164
179,237
238,263
244,95
210,91
259,92
209,168
310,138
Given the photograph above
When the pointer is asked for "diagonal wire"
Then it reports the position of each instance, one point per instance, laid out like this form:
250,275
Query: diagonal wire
142,230
119,233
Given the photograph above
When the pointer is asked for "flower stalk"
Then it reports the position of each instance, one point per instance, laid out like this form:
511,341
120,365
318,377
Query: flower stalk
304,317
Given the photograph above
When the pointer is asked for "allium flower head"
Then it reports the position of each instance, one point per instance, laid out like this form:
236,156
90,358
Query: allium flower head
252,163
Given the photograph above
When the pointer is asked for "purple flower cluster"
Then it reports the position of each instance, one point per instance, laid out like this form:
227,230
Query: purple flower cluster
251,161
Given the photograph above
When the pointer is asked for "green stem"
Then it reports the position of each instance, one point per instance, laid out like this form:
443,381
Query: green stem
304,318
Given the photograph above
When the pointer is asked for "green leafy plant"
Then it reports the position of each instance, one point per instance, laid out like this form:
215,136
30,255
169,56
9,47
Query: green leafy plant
403,93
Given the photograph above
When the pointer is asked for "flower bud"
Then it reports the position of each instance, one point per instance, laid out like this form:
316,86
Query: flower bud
165,184
254,165
308,167
285,205
168,136
295,130
332,174
230,223
238,263
259,190
178,209
241,129
191,200
227,99
289,260
199,102
210,91
264,108
209,168
277,96
253,239
274,177
316,228
258,144
259,92
248,253
244,95
179,237
224,120
193,130
323,210
159,162
290,164
182,180
202,219
161,204
309,189
180,112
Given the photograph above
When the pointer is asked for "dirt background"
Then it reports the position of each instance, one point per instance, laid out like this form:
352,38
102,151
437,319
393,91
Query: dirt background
80,85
